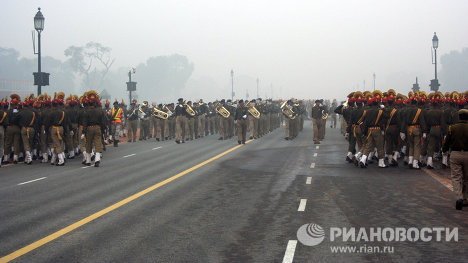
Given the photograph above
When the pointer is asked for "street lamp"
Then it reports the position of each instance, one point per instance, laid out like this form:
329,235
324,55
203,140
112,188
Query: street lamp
435,82
232,84
40,78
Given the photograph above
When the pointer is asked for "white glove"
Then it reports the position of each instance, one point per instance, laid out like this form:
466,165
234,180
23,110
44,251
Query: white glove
383,132
346,135
82,136
72,133
245,116
382,106
402,136
15,110
424,135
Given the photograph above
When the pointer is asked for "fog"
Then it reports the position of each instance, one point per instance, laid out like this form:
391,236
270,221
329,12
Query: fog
300,49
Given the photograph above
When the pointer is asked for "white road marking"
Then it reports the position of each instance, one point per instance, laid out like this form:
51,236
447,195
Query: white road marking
315,154
312,165
157,148
129,155
317,147
309,180
33,180
302,205
85,167
289,253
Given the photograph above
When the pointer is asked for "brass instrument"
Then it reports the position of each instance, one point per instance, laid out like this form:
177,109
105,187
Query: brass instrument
189,110
252,110
221,110
160,114
324,115
287,110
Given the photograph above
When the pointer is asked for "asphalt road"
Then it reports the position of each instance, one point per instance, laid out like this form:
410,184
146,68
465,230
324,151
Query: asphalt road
239,207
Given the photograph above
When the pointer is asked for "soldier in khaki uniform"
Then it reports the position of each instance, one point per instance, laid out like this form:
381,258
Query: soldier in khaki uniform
181,121
93,123
413,122
12,133
58,126
456,141
435,127
253,123
374,122
132,118
241,118
317,120
3,118
27,120
190,124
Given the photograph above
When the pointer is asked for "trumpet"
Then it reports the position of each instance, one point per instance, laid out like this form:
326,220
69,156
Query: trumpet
160,114
221,110
287,110
252,110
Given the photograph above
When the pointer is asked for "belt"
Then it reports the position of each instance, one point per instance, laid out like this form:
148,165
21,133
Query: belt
435,126
414,125
374,128
91,125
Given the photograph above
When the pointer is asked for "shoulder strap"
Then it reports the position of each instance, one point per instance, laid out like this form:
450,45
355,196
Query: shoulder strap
34,117
362,116
391,117
416,116
378,117
61,119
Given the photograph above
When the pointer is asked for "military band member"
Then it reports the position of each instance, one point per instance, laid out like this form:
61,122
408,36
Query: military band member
190,124
3,117
181,120
223,123
144,115
153,129
317,120
456,141
202,113
253,122
241,118
132,118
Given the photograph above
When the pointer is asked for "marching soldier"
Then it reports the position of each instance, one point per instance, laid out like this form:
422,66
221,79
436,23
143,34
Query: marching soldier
241,118
116,115
456,142
253,123
144,121
93,122
413,123
230,122
3,119
58,126
190,123
12,134
153,122
317,120
132,121
374,122
181,120
160,125
202,112
223,124
392,128
435,127
27,120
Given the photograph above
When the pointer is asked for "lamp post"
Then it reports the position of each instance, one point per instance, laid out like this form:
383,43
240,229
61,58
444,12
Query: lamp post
258,81
131,85
435,82
374,80
232,85
39,26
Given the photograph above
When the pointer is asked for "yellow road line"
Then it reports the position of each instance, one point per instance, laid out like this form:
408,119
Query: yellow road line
108,209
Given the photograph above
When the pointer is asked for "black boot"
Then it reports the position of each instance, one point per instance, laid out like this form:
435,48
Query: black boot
116,143
459,204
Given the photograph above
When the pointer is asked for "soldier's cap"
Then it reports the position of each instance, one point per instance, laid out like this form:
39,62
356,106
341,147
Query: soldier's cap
159,105
259,99
229,100
317,101
180,100
189,102
241,101
222,100
116,102
253,100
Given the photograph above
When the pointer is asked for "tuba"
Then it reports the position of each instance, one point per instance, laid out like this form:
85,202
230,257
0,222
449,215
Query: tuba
189,110
222,111
252,110
287,110
324,115
159,114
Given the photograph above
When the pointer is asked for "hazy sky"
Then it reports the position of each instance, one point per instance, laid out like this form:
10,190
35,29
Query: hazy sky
309,48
